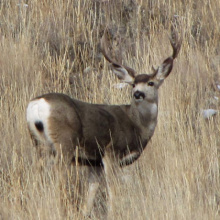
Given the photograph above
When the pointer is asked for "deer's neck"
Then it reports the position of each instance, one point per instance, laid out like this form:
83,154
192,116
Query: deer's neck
144,115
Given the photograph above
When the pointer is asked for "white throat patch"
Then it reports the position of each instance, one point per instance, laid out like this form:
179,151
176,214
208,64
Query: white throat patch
148,108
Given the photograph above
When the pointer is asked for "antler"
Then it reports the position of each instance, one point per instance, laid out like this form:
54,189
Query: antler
175,41
165,68
110,60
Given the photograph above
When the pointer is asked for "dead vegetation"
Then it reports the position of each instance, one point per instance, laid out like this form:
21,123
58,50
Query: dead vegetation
53,46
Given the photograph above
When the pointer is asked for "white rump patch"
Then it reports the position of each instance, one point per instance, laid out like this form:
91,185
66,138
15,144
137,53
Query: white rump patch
38,111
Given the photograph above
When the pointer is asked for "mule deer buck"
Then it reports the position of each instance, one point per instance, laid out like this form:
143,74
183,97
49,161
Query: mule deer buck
68,125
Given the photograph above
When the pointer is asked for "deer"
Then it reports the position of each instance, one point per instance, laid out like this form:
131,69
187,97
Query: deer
78,132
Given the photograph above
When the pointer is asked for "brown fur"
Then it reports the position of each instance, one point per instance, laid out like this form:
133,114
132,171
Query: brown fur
73,123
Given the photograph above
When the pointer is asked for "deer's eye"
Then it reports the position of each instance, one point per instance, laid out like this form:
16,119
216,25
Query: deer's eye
150,83
133,85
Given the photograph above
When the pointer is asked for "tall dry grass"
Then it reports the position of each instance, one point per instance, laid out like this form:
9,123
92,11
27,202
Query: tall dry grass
53,46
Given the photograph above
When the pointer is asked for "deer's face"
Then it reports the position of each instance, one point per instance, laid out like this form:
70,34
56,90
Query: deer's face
145,88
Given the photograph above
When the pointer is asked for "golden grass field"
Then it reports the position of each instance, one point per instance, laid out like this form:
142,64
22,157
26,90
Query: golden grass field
53,46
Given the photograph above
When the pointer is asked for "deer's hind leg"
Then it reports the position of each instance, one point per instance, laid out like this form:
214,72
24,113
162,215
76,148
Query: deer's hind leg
64,136
44,150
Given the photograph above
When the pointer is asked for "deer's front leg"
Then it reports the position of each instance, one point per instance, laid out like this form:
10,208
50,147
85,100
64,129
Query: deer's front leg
111,167
94,182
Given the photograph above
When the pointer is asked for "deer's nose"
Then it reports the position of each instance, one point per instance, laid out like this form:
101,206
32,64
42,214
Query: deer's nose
139,95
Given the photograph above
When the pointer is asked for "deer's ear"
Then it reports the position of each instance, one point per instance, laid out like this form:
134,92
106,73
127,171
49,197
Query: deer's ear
164,69
122,73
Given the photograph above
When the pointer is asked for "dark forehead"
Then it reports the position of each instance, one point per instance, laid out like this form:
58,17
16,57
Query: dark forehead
142,78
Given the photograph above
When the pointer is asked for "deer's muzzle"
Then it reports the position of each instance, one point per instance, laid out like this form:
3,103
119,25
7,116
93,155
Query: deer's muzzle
139,95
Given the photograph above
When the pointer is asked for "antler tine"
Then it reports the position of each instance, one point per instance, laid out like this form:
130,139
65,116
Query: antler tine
104,52
176,41
104,49
164,70
153,69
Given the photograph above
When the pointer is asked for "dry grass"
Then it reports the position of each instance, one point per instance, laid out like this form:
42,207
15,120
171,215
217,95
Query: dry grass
47,47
